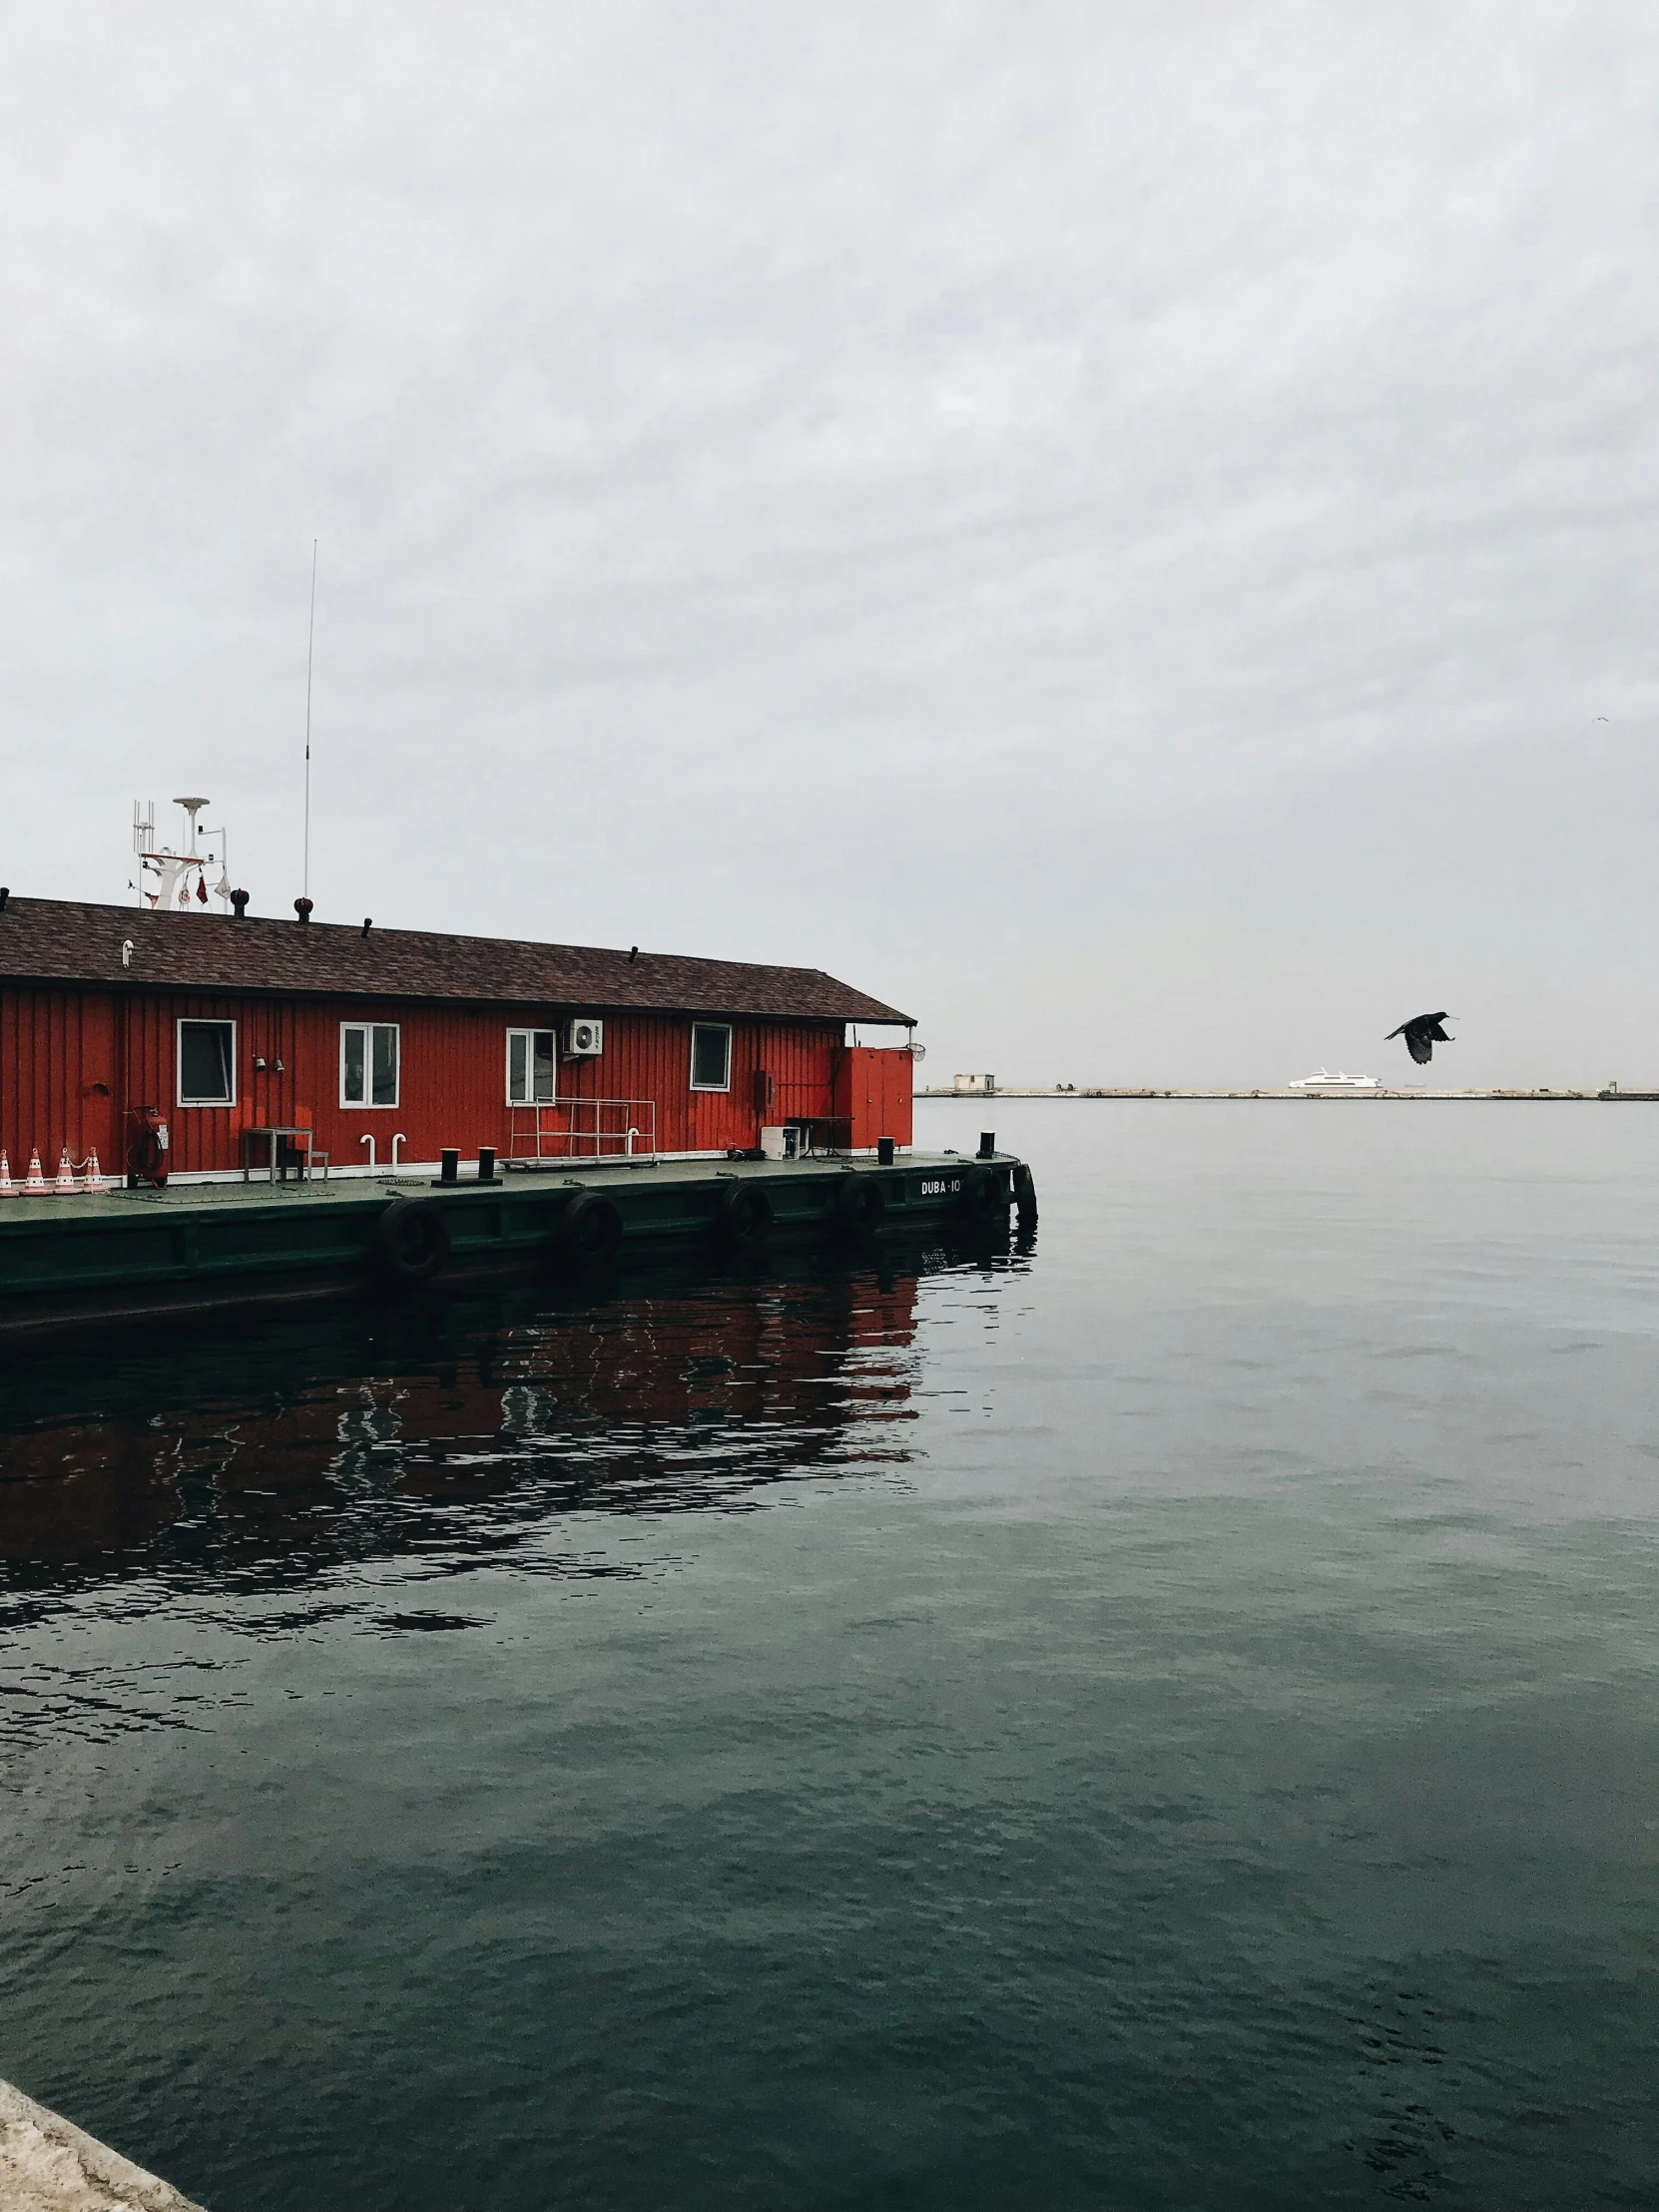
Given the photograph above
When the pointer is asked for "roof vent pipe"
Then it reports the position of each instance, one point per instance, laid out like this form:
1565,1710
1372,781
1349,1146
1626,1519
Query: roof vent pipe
239,899
5,895
632,955
369,923
302,907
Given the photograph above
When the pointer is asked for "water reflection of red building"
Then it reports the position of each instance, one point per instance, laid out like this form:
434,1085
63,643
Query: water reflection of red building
694,1397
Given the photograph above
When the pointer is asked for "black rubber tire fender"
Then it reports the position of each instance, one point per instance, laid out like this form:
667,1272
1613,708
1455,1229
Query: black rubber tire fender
984,1192
1025,1194
409,1240
590,1230
861,1203
742,1215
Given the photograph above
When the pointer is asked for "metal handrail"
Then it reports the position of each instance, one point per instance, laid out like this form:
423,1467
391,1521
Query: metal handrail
632,1134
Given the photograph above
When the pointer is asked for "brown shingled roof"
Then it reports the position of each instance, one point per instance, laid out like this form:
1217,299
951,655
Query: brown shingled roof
56,941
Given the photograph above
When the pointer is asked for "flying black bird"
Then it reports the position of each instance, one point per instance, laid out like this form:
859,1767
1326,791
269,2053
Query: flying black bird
1422,1033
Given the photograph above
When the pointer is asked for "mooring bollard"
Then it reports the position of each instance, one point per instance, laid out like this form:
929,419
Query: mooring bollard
987,1144
884,1152
486,1162
449,1165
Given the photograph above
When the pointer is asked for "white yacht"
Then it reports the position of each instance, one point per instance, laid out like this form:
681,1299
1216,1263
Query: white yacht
1323,1080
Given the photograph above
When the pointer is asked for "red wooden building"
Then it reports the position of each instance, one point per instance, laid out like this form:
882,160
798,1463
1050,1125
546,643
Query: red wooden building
113,1020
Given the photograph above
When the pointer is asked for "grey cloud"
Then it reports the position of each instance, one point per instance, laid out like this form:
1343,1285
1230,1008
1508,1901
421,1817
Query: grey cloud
1090,521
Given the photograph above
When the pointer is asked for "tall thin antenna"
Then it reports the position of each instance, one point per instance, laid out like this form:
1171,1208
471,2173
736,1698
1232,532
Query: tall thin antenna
310,641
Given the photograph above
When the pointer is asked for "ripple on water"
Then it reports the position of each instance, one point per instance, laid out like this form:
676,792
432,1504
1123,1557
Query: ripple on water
1166,1717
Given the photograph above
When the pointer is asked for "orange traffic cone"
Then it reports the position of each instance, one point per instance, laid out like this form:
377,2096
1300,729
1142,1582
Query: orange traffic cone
66,1173
34,1180
6,1183
92,1175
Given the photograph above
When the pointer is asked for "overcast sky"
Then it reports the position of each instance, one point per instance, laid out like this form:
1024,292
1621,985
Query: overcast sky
1112,527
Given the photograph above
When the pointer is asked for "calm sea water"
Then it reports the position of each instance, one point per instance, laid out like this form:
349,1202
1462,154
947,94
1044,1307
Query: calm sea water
1165,1717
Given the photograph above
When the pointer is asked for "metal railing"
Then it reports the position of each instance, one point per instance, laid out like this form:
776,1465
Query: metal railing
584,1129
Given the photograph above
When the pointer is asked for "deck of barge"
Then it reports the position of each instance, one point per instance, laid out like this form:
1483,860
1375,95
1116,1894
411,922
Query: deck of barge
201,1244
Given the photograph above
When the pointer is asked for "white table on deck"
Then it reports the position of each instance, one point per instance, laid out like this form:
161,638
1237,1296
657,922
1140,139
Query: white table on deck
274,1142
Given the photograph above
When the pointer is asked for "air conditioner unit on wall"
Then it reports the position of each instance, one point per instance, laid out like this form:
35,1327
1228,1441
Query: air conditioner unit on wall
584,1039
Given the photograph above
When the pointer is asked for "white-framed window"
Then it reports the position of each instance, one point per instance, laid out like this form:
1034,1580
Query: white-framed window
207,1063
710,1056
371,1062
532,1068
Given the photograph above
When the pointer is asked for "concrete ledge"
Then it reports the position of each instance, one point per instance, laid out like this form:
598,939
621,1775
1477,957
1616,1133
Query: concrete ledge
47,2165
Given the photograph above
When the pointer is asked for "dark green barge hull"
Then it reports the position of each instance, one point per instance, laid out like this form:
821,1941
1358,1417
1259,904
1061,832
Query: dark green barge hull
206,1246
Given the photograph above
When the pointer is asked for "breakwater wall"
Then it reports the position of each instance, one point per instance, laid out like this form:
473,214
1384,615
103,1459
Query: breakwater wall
1613,1095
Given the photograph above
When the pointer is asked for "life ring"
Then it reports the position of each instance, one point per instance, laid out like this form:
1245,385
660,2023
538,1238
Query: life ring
409,1240
859,1204
742,1215
590,1230
984,1190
